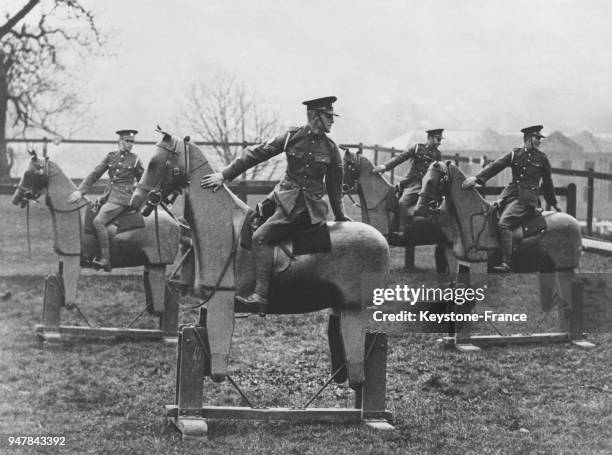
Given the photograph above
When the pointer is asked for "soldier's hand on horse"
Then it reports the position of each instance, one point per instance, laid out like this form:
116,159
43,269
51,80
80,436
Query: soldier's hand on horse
470,182
75,197
214,181
379,169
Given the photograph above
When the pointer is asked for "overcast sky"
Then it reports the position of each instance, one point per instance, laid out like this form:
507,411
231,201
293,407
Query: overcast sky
395,65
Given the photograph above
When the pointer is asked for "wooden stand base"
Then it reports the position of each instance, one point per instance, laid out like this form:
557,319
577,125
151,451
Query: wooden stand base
571,321
475,342
188,415
59,333
52,331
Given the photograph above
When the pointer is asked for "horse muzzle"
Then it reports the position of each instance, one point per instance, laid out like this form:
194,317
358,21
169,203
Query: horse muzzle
138,199
18,197
22,196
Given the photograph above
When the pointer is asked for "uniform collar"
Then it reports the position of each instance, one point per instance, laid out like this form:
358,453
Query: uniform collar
309,132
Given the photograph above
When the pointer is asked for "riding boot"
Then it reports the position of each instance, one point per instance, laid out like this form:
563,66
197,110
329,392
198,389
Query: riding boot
103,240
263,255
505,240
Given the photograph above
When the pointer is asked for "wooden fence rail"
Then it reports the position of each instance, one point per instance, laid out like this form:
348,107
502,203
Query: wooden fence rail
244,188
260,187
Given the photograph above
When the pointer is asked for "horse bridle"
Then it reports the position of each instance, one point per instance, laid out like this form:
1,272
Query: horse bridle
435,200
354,169
42,172
352,166
154,194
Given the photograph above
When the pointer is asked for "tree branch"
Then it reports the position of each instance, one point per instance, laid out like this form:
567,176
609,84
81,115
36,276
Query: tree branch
12,21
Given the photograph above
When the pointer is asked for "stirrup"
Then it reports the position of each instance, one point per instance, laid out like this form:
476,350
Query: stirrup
101,265
504,267
254,302
396,238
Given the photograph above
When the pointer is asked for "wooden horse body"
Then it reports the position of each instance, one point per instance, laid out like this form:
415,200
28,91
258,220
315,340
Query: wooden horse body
465,218
379,206
153,246
301,284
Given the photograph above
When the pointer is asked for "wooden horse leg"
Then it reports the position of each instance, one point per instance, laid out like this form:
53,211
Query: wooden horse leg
220,328
60,291
163,301
352,328
547,287
70,271
155,280
469,275
336,349
565,279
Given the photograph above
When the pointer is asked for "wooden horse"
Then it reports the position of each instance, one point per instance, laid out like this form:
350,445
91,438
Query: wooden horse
301,283
549,244
379,206
152,243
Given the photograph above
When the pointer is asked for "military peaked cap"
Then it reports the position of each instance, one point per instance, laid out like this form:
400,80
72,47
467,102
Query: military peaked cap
436,132
322,105
127,134
533,130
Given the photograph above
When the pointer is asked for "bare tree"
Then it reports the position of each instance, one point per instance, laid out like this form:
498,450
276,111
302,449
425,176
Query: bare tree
223,111
37,43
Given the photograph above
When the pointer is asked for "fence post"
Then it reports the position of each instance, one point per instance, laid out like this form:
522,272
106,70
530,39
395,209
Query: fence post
44,151
360,149
393,170
457,159
570,200
243,176
241,190
376,154
590,200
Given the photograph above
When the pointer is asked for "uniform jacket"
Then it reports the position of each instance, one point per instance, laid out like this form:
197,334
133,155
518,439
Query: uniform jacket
422,155
528,167
314,167
124,169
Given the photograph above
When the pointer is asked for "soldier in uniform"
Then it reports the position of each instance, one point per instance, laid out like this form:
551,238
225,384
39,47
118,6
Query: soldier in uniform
520,197
422,155
124,169
314,167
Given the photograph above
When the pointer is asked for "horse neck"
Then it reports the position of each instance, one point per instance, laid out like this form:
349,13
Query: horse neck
66,217
373,193
59,187
471,214
212,217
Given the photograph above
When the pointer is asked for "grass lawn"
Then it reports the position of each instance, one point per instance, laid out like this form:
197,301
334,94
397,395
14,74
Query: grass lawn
107,397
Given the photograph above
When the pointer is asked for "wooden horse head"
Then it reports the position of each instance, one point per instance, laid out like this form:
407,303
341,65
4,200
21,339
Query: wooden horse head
33,182
467,223
376,194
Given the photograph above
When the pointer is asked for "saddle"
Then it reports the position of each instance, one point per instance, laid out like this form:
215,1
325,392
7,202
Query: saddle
314,239
126,221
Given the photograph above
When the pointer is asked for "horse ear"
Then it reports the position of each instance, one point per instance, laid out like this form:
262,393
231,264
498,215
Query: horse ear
33,155
166,136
